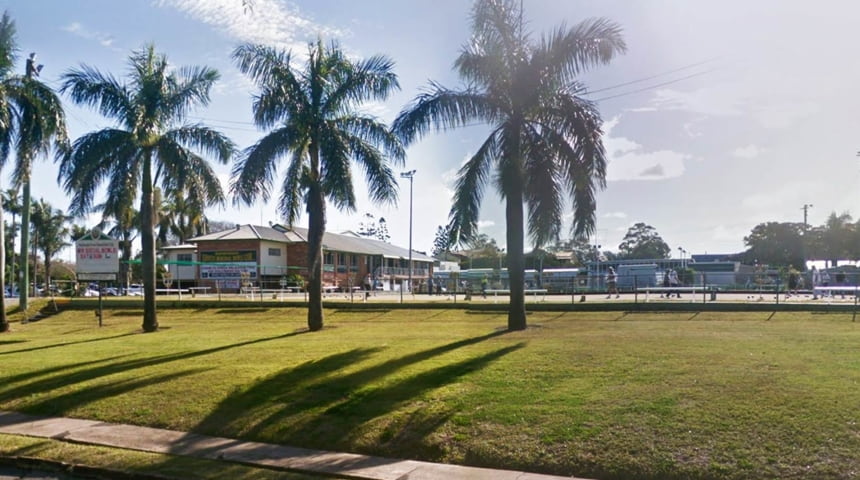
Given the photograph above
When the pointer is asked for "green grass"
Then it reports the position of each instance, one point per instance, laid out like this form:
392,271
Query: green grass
602,394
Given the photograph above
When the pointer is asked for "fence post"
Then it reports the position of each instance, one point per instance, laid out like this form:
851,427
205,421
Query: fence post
636,289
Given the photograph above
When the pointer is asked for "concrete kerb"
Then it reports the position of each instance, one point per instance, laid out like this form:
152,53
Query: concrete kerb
156,440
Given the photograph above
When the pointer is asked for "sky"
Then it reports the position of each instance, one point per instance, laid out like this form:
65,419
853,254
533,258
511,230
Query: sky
720,115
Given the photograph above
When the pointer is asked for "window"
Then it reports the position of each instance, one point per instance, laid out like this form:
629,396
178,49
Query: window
328,258
183,257
341,259
353,260
274,252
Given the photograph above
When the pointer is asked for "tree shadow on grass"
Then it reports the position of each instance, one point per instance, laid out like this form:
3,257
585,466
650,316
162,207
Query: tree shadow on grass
280,407
52,370
61,404
66,344
58,381
10,342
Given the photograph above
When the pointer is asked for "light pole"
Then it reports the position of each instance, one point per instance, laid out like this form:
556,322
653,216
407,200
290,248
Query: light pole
410,175
683,253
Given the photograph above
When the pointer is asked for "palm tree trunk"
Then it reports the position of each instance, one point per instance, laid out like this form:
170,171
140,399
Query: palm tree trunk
316,230
516,261
147,240
23,285
4,324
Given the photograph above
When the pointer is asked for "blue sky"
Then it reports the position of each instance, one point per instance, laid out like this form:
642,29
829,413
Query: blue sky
751,111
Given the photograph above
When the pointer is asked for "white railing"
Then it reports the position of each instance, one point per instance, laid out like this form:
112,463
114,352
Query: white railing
401,272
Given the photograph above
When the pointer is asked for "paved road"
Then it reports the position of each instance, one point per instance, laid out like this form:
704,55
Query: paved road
9,473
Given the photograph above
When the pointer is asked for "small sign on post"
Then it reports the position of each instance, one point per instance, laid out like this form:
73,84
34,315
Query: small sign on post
97,259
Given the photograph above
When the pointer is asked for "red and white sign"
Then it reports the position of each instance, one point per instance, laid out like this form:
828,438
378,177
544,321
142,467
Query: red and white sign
97,255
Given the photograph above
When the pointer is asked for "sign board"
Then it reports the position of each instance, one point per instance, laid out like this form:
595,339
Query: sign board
96,253
96,277
228,271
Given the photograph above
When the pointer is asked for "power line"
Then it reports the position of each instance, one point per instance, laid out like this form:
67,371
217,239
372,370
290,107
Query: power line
652,87
651,77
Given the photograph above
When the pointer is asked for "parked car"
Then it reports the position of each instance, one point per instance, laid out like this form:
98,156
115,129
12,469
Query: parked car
134,290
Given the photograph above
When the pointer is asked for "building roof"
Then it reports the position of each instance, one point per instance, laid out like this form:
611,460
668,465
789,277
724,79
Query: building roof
348,243
250,232
352,243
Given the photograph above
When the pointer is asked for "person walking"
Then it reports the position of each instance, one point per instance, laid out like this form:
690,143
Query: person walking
816,282
673,282
484,283
612,283
666,290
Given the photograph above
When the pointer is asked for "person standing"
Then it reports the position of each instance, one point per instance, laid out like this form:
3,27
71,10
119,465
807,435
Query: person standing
673,282
816,282
666,290
612,283
484,283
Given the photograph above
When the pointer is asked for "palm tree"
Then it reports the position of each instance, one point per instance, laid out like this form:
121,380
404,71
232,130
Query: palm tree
312,119
545,141
31,122
50,229
181,217
121,221
11,204
150,145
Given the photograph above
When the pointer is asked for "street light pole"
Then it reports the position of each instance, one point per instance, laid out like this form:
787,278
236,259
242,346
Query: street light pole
410,175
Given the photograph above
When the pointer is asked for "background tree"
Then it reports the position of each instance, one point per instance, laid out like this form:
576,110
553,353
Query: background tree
370,227
442,243
78,232
642,241
151,145
834,240
776,244
545,141
311,118
31,123
50,230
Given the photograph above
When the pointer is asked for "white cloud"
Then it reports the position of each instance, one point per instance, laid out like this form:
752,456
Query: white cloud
628,160
620,215
103,39
486,224
269,22
748,151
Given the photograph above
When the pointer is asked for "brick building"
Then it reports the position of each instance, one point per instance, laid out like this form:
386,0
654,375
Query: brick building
266,255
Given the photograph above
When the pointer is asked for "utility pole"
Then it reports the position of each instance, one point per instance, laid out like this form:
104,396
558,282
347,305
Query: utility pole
410,175
805,208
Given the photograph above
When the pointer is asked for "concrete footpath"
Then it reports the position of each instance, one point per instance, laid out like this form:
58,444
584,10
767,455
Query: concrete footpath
269,455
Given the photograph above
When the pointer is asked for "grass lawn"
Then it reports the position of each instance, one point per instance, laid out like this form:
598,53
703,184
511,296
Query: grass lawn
605,395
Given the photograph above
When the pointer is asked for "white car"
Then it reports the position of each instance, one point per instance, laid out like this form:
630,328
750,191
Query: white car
134,290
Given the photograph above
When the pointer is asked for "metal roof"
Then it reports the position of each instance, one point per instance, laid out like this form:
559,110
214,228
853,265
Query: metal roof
347,242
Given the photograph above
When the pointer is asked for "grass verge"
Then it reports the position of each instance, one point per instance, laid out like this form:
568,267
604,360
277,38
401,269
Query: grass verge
603,394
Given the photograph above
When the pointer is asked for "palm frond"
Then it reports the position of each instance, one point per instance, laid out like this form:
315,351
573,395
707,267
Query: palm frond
88,86
290,202
374,132
186,173
191,89
541,187
8,45
252,175
335,169
469,189
204,140
442,109
565,53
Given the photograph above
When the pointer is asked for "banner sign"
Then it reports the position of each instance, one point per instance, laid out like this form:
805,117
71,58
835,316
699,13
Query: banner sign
228,256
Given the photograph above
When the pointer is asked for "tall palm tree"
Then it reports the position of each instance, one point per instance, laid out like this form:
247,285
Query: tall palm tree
121,221
545,142
312,118
31,122
150,145
50,229
181,217
11,203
